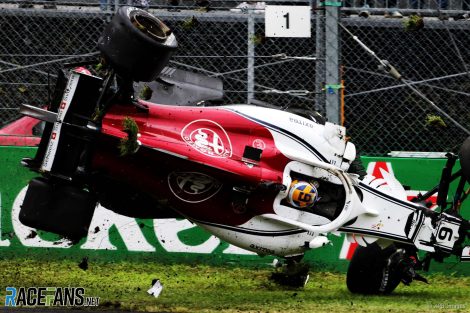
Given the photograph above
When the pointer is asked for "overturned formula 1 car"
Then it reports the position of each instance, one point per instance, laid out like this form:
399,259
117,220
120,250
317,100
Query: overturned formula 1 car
263,179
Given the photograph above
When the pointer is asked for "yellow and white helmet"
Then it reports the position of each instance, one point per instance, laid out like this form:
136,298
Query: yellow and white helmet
302,194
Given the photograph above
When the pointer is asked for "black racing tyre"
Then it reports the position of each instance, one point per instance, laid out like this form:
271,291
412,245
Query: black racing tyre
137,44
36,201
464,156
58,208
73,211
368,272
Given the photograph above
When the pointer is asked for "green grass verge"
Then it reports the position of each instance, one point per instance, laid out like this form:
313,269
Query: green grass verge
202,288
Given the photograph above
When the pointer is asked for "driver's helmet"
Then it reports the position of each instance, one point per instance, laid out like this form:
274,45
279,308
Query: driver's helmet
302,194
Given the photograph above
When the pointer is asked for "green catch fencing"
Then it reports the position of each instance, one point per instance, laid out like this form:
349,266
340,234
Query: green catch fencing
113,237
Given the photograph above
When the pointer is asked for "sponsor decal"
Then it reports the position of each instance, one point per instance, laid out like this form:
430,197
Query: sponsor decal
259,144
262,250
300,122
51,148
193,187
208,138
48,296
64,106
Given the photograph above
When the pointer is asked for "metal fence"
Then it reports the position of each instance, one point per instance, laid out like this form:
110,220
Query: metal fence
384,114
223,44
380,113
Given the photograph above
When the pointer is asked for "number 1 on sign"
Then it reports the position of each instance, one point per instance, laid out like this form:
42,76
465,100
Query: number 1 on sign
288,21
286,16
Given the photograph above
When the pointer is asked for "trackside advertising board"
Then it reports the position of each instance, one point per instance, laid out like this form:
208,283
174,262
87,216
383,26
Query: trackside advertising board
114,237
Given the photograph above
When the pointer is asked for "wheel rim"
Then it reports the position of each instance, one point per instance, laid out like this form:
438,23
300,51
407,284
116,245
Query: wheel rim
150,26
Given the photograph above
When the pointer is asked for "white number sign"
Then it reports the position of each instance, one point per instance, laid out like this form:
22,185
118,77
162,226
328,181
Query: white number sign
287,21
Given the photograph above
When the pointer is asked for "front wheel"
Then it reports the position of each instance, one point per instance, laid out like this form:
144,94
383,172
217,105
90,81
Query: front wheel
370,271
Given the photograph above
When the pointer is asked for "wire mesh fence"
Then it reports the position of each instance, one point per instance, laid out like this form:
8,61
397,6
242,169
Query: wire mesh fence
229,43
219,44
384,114
34,46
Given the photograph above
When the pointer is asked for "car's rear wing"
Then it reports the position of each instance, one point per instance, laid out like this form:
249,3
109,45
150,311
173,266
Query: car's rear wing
70,126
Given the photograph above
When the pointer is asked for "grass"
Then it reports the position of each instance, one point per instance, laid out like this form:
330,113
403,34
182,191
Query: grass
199,288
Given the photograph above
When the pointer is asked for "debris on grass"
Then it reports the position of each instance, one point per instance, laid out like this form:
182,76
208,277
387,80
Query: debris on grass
156,289
32,235
221,289
84,264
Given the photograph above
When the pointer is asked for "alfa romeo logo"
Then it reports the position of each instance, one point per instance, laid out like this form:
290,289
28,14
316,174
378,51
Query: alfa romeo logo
208,138
193,187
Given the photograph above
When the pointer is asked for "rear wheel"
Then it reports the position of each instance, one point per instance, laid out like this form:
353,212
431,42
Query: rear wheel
137,44
370,272
59,208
